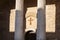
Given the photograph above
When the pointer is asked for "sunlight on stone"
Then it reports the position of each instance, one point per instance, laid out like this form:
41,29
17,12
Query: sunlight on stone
50,18
31,20
12,21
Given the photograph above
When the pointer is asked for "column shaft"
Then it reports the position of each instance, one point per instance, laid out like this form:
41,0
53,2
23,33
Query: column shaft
19,35
40,20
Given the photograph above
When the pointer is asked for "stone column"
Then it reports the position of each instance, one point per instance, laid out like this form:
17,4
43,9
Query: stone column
19,35
40,20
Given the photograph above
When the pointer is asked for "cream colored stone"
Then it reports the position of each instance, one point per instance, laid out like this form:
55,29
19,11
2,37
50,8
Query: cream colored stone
50,18
31,13
12,21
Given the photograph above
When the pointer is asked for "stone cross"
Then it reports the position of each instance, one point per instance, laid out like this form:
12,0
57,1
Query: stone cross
30,20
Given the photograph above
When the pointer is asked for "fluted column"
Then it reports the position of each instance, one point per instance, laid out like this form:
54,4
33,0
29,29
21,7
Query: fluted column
40,20
19,35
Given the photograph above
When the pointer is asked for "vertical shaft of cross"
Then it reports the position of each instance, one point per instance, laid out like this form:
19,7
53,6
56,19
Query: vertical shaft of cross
30,21
40,20
19,35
